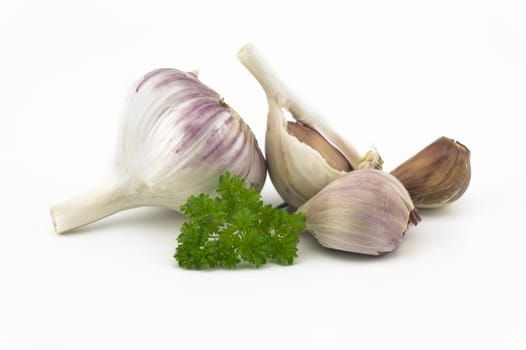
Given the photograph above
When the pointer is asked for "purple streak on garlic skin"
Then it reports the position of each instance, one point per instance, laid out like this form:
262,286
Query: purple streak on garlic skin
150,75
198,125
173,79
240,148
221,145
200,115
175,100
178,77
182,96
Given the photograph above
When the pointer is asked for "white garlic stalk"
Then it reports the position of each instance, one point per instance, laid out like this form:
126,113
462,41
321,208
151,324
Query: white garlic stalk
305,156
365,211
176,138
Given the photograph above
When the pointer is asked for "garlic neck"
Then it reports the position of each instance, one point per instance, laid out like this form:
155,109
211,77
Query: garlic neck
256,64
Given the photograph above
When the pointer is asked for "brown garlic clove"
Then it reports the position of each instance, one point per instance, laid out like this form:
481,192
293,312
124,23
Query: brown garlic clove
437,175
364,211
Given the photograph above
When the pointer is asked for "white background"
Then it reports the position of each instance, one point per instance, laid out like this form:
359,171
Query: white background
396,74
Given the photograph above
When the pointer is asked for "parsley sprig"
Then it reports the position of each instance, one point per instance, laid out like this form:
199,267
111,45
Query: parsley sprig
235,226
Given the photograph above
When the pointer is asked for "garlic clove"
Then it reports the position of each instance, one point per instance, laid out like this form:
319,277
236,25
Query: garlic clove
177,137
364,211
305,156
437,175
311,137
297,171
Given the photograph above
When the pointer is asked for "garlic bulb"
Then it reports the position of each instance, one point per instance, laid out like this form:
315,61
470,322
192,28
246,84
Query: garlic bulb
364,211
437,175
302,156
177,137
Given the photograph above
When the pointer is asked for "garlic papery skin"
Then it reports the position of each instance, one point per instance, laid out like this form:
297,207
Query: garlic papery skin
437,175
297,167
364,211
176,138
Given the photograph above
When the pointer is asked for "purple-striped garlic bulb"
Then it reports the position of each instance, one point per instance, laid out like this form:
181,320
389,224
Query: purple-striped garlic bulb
177,137
364,211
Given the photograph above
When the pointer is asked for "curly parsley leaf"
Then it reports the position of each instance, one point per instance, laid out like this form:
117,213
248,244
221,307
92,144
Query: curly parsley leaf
236,227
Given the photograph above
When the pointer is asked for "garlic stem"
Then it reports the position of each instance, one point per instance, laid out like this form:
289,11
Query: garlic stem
277,92
92,206
257,65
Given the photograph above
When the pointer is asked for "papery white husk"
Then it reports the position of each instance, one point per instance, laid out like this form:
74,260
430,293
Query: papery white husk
364,211
296,169
177,137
